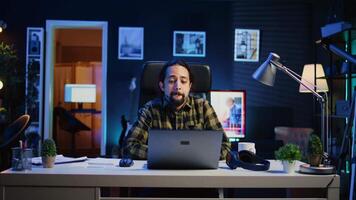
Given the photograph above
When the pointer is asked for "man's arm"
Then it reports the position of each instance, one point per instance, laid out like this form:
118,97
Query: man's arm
136,142
212,123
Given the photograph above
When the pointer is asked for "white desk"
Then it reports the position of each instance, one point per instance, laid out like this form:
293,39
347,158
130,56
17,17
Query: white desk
83,180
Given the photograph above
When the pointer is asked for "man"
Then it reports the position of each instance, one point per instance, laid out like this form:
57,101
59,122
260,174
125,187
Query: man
232,116
174,110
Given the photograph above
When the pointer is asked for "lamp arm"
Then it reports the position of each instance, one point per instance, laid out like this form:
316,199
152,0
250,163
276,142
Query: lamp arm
291,73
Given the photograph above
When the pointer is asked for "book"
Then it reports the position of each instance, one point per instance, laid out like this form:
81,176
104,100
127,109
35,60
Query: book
60,159
103,161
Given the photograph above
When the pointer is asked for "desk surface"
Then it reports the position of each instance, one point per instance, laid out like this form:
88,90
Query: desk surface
94,175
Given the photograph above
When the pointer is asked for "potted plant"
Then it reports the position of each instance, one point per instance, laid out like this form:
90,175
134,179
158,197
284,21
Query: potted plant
48,153
288,154
315,150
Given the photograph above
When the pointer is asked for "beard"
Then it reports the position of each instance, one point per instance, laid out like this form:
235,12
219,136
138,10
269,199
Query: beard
174,101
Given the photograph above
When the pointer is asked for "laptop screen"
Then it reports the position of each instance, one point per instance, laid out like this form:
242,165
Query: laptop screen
184,149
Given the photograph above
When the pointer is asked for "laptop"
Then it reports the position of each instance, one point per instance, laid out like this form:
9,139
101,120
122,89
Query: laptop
184,149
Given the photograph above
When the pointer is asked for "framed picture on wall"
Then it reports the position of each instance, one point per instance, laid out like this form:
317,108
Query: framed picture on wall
230,107
34,78
34,41
189,43
130,43
34,71
247,44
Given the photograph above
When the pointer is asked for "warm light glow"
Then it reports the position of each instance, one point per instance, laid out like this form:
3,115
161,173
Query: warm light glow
1,85
81,93
308,78
2,26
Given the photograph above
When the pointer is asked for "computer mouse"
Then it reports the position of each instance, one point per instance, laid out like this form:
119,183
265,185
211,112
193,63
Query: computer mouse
126,162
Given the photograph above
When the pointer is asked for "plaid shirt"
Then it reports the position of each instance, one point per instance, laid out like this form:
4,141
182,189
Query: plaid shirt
196,114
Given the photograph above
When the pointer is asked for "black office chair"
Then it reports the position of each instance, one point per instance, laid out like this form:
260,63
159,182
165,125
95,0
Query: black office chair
69,123
149,88
11,136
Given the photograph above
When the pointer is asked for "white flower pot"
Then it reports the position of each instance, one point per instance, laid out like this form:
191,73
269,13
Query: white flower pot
48,161
288,167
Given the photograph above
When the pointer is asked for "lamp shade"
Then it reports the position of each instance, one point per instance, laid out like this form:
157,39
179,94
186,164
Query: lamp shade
309,76
80,93
266,73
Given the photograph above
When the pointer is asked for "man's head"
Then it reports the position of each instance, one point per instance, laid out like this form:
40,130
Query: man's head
175,81
230,102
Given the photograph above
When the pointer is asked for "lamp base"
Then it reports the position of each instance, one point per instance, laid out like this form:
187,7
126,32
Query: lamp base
321,170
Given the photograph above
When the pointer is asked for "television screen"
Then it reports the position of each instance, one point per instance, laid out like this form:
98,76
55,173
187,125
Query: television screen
81,93
230,107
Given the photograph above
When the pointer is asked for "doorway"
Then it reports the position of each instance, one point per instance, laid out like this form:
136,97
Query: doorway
76,54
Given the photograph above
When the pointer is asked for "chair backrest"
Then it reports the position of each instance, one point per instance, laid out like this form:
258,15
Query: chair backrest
295,135
14,130
68,122
149,88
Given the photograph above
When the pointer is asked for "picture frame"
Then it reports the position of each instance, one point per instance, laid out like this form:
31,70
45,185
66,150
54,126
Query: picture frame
34,76
34,71
230,108
189,43
247,45
34,41
130,45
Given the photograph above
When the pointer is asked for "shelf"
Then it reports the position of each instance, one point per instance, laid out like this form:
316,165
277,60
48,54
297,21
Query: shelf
341,76
337,116
334,116
92,111
342,37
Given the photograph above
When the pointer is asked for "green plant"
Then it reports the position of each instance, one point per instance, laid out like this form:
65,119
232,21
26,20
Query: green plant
314,145
288,152
8,64
48,148
315,150
13,77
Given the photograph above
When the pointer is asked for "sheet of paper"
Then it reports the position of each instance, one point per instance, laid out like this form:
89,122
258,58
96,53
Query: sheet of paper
103,161
59,159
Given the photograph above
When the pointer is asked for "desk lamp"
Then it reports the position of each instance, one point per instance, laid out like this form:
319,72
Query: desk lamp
80,93
266,74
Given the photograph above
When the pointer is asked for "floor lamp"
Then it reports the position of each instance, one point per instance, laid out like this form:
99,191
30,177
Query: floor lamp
266,74
310,75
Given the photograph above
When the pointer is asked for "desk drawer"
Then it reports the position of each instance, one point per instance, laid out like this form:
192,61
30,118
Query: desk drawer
46,193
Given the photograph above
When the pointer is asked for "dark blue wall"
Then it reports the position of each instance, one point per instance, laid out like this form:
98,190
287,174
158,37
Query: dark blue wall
159,20
287,28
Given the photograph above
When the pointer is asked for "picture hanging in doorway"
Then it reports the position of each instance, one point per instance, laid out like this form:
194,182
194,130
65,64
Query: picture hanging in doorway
189,43
130,43
247,43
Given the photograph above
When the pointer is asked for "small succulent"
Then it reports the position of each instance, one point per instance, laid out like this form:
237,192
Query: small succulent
315,150
314,145
288,152
48,148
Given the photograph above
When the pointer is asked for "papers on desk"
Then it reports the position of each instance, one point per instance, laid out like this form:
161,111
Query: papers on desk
103,161
60,159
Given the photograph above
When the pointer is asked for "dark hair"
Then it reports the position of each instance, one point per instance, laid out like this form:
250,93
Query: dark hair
162,74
